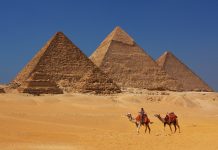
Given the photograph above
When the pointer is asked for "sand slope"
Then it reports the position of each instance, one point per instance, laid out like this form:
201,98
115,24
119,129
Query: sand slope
98,122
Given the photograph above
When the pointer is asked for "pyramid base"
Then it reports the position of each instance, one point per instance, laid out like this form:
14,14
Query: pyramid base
2,90
97,82
40,90
96,91
37,87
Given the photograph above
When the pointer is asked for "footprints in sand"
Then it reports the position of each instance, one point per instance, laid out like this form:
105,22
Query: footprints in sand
161,134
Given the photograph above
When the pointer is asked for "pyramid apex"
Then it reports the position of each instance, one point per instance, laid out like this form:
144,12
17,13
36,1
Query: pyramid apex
163,58
56,35
59,33
167,52
118,28
119,35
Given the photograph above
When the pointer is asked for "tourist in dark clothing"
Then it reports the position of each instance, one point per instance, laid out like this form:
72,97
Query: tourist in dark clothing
143,115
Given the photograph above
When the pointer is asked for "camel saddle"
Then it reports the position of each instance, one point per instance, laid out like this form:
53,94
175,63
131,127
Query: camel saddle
171,117
139,118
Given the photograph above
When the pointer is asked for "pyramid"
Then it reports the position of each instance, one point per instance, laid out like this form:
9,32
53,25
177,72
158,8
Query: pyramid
178,70
129,66
2,90
38,84
92,82
58,64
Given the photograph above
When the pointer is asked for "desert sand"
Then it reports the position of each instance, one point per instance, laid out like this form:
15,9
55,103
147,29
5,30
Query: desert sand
83,122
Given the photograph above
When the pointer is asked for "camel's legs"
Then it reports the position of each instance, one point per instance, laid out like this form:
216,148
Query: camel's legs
138,127
164,126
175,128
146,127
170,128
149,129
178,125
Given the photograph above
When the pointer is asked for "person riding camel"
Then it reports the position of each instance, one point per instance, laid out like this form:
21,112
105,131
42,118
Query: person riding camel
143,115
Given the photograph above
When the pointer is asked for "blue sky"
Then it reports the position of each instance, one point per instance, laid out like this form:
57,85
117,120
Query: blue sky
188,28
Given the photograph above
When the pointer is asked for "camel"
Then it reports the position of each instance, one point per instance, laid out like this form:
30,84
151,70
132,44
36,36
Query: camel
169,122
138,123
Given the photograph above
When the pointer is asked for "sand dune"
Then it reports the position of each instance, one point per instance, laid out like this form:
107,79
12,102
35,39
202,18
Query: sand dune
76,121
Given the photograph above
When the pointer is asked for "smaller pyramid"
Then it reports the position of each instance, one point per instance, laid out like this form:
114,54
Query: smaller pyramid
97,82
37,85
178,70
2,90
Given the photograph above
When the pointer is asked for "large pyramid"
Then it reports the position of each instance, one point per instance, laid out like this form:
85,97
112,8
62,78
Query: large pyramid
178,70
129,66
61,64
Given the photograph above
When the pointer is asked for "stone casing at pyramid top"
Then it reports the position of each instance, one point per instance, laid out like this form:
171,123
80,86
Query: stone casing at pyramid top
61,64
128,64
178,70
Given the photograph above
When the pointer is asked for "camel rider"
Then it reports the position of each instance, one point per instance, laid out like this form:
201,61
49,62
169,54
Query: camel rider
143,115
